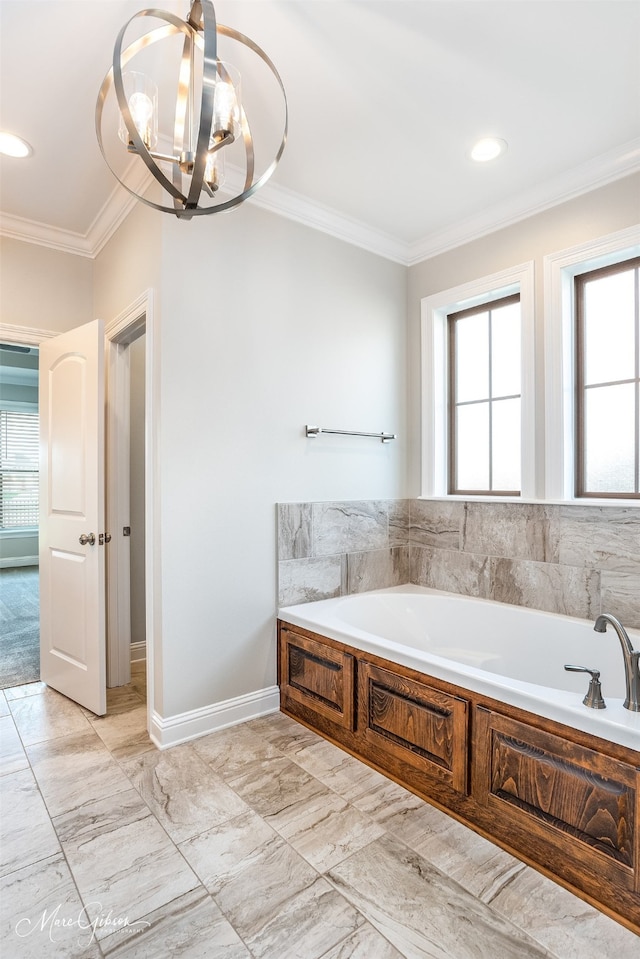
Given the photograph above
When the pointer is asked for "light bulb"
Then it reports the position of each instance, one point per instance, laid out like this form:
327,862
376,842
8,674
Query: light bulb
214,170
226,102
141,95
141,109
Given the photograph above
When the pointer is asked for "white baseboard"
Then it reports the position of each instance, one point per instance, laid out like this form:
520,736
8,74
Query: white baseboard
138,652
171,730
8,562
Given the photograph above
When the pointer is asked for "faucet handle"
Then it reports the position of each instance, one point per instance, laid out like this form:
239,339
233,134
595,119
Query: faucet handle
594,693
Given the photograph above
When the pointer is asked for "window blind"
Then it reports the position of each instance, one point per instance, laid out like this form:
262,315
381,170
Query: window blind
19,478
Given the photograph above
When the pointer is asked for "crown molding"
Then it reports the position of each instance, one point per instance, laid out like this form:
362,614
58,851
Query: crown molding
294,206
595,173
599,171
41,234
118,206
23,335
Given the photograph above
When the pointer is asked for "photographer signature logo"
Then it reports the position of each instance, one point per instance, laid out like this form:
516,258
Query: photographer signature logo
55,924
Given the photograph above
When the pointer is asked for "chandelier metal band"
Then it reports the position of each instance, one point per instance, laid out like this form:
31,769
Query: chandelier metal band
200,30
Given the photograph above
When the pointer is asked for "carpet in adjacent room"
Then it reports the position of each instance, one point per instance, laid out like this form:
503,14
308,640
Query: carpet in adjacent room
19,626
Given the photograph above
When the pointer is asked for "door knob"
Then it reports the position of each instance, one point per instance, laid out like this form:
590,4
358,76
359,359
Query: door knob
88,538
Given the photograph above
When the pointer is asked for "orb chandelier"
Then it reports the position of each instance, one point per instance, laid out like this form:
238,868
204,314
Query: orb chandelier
207,119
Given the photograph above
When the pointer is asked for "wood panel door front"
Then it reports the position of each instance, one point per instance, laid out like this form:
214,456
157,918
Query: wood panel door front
318,677
72,580
562,804
415,726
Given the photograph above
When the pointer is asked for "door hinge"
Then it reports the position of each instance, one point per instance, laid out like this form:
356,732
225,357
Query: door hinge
104,538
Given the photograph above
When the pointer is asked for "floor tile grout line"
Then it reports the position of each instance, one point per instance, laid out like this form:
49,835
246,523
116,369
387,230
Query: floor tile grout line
390,832
60,843
505,919
513,921
186,861
75,733
323,875
398,837
105,938
62,851
319,875
46,739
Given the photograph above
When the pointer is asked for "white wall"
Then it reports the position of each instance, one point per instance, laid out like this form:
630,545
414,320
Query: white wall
267,326
607,210
129,264
44,289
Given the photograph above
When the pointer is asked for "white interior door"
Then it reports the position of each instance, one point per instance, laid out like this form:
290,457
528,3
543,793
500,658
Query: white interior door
72,566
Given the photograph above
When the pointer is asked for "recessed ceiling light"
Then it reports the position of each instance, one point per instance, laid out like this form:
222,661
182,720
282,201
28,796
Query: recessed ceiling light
13,146
488,149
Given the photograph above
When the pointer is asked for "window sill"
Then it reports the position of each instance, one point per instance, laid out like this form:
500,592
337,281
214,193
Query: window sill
587,501
18,532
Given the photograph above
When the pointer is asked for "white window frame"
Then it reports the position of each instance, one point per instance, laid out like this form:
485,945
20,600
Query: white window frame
435,309
560,270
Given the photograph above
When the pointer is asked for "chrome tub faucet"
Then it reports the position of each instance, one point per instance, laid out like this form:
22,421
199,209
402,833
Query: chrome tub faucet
631,660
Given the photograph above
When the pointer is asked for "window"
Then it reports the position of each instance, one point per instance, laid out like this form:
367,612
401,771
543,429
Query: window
485,398
478,405
591,364
608,381
19,477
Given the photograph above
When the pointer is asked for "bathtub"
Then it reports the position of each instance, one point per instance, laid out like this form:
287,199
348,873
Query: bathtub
509,653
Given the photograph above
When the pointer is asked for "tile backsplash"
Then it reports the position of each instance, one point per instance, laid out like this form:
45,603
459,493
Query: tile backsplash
571,559
330,549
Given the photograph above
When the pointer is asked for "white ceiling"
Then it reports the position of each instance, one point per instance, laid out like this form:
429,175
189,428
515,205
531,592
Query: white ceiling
385,97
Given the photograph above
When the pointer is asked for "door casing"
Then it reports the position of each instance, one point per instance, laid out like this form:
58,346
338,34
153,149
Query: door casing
136,319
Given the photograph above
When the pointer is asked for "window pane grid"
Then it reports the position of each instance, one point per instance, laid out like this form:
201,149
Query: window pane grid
483,456
19,476
498,399
608,407
595,386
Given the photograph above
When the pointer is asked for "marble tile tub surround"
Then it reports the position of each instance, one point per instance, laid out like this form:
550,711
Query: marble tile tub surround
577,560
331,549
259,841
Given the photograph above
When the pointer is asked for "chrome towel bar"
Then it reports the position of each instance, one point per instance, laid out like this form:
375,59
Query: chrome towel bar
383,437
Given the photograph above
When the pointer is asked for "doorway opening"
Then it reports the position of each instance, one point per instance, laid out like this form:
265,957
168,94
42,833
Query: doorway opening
132,560
125,507
19,480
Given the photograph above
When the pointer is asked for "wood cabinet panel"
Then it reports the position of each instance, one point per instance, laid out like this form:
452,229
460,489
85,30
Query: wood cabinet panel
571,808
318,677
596,810
412,722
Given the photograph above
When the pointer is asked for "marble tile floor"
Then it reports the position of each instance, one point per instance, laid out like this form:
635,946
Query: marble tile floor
261,840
